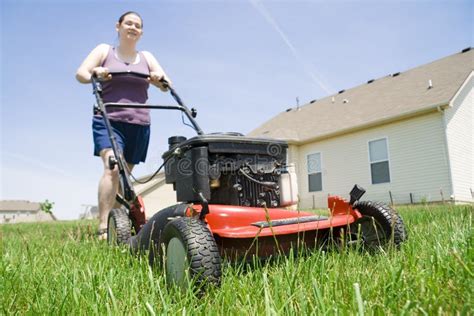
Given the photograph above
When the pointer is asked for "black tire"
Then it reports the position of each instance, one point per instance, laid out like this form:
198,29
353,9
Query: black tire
118,227
379,226
150,234
191,253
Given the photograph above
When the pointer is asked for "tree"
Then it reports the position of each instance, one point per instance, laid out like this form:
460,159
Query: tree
47,206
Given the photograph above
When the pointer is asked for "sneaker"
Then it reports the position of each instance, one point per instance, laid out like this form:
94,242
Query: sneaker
102,233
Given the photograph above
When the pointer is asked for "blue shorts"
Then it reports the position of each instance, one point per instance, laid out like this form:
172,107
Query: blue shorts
132,139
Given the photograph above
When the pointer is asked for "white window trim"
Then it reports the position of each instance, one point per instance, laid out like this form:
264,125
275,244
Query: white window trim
375,161
307,173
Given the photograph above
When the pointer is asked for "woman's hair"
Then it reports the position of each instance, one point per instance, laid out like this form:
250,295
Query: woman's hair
120,20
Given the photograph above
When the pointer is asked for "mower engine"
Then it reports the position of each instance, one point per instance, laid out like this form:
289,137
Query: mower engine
230,169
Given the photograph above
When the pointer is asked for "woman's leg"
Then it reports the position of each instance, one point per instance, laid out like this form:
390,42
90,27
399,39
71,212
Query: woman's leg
108,186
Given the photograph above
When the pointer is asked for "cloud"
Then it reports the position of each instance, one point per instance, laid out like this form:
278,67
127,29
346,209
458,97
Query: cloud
34,162
315,78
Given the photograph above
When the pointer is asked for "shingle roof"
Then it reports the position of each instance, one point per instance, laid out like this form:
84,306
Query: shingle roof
382,100
19,205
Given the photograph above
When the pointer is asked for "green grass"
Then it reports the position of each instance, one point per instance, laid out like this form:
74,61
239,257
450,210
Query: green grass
59,268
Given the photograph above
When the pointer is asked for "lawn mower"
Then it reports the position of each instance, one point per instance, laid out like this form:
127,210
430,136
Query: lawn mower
235,195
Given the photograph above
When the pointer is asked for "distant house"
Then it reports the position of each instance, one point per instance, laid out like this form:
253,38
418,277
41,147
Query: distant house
407,137
23,212
90,212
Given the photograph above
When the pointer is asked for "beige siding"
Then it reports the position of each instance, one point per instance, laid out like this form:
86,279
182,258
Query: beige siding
162,196
417,159
156,193
460,139
293,156
24,217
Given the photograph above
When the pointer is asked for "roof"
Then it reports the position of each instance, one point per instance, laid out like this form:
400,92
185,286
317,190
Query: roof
19,205
379,101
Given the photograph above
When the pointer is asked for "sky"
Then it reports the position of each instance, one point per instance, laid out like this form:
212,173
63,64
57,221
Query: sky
238,62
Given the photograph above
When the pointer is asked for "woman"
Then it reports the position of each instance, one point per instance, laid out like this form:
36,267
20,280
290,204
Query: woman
131,126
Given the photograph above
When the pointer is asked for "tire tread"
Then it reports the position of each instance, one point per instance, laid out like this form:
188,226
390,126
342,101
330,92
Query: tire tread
387,217
203,253
122,225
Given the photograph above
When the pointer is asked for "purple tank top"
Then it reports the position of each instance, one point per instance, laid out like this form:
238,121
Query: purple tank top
126,89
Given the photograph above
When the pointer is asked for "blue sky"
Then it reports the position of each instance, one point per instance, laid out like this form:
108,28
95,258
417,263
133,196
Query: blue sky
238,62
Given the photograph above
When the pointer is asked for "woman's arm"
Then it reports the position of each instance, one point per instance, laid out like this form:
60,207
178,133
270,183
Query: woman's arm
156,72
92,64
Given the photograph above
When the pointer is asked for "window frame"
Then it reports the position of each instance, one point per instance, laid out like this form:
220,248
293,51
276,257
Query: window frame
321,171
376,161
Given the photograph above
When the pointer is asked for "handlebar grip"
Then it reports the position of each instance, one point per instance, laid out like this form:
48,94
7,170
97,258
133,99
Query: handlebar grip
95,78
165,83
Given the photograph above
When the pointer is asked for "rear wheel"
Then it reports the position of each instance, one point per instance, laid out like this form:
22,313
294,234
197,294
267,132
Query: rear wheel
379,226
191,253
118,227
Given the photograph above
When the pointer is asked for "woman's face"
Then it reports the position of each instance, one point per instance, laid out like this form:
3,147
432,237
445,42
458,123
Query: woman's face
130,28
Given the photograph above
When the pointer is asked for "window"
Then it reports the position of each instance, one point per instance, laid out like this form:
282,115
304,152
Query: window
378,156
315,181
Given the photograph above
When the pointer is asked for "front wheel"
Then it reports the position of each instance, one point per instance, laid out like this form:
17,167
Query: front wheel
379,226
118,227
191,253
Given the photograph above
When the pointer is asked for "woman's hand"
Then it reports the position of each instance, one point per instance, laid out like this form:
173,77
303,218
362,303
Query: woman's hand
157,78
102,73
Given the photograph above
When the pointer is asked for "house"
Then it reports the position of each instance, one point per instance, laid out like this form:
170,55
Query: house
90,212
406,138
14,211
156,193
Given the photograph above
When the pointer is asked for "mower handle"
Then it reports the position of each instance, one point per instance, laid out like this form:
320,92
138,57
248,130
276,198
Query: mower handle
134,74
190,114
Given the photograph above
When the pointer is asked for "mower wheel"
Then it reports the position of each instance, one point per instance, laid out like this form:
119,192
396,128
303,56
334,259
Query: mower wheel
191,253
379,226
148,238
118,227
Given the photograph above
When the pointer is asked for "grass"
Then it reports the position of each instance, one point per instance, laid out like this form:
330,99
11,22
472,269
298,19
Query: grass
60,268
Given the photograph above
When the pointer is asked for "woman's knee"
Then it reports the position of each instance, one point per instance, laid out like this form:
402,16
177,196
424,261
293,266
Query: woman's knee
112,174
107,156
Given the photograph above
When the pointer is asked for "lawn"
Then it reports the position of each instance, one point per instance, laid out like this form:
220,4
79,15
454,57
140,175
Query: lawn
60,268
